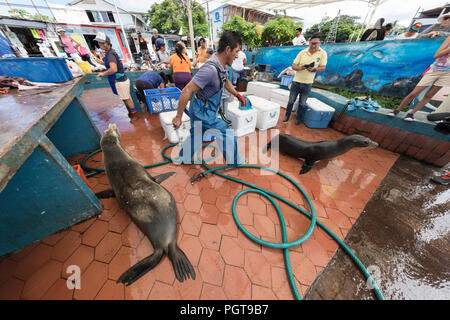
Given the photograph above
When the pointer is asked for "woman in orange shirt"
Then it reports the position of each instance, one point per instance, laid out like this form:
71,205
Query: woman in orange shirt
181,66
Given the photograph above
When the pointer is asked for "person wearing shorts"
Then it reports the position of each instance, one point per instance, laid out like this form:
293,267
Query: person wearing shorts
437,76
114,67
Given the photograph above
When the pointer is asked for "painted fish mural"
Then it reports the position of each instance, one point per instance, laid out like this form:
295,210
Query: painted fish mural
390,67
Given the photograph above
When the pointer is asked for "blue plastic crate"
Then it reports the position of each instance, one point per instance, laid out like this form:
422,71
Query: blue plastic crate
37,69
161,100
286,81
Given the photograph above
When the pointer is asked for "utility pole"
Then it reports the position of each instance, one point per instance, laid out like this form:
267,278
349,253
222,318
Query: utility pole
191,29
124,34
209,23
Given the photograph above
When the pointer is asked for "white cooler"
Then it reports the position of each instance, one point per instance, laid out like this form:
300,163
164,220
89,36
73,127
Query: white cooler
243,121
182,132
267,112
281,96
261,89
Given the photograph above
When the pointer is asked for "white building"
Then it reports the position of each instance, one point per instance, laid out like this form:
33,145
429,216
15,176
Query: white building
85,18
102,12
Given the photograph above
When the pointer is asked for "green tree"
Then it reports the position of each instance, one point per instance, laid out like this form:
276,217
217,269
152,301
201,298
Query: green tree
281,29
247,30
165,17
170,15
24,14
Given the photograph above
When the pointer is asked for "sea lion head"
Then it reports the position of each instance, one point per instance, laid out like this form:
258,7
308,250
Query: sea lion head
361,141
111,135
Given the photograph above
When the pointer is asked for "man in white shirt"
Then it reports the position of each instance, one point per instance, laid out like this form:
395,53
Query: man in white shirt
299,39
238,66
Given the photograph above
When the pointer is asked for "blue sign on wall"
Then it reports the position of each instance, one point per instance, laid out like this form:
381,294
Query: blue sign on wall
392,68
217,16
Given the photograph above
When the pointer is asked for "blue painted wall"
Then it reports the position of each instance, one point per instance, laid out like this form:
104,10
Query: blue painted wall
391,67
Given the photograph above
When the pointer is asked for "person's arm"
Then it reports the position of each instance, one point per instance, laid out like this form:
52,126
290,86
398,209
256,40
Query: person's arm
443,49
442,34
428,32
78,44
185,96
112,69
229,86
322,65
296,66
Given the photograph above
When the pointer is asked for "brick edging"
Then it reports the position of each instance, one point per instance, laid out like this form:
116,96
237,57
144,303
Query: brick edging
420,147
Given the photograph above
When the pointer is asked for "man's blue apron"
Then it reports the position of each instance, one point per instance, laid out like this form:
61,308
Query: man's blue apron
203,116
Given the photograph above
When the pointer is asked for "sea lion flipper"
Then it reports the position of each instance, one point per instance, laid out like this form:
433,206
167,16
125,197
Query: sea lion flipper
307,165
181,265
141,268
160,178
108,193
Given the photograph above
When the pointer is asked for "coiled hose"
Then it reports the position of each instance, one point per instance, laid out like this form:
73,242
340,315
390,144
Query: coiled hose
285,245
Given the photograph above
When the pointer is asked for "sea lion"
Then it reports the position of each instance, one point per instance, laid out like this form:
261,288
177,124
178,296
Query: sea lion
314,151
151,207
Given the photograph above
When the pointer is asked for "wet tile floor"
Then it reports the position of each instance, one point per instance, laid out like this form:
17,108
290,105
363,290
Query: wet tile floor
228,265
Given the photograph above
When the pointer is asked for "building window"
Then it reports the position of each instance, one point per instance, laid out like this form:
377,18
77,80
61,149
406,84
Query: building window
90,16
104,16
111,16
100,16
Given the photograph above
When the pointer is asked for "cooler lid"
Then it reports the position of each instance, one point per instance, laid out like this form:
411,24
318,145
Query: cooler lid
167,117
263,104
233,107
318,105
281,92
264,84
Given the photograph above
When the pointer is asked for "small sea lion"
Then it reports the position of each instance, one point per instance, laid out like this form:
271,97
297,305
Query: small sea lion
315,151
151,207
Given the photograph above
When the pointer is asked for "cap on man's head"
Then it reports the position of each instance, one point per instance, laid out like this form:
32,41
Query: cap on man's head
59,29
416,26
101,37
444,15
159,43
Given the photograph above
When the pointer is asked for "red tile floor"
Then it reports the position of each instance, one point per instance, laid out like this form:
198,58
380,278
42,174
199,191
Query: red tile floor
227,264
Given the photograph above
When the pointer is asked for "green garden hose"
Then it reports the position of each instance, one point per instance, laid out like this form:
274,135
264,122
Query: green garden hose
285,245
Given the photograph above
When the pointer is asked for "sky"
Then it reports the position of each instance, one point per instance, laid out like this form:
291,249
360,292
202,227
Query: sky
402,10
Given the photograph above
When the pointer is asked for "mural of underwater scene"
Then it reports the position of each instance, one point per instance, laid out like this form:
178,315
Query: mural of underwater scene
389,67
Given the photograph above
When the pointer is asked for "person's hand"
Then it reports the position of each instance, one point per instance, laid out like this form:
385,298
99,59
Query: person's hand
433,34
242,100
101,74
176,122
312,69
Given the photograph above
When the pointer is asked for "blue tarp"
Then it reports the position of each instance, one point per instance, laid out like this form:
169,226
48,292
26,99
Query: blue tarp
5,49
